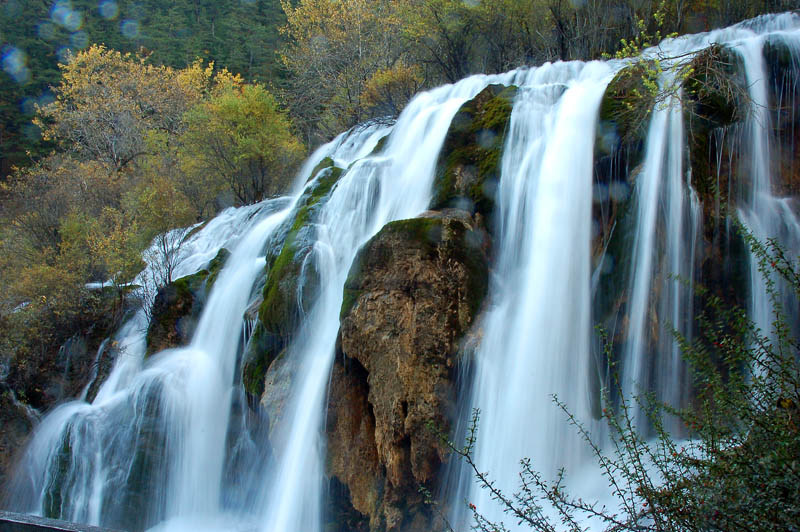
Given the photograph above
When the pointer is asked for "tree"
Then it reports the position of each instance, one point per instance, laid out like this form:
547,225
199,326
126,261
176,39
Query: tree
444,33
334,48
388,90
241,137
106,102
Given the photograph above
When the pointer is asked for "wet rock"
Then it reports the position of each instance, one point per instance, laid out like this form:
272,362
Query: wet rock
625,109
291,284
468,169
178,305
715,98
411,296
16,422
782,63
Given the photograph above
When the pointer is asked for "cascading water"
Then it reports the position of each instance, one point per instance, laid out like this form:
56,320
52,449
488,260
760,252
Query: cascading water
162,424
763,213
160,442
394,184
87,462
536,333
542,281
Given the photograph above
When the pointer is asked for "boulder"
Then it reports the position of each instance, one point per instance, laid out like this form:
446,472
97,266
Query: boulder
411,296
468,168
178,305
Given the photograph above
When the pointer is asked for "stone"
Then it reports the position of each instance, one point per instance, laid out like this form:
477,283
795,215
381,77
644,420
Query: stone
411,296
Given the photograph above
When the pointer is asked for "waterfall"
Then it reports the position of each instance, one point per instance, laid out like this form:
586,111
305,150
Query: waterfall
536,337
395,184
85,459
165,444
541,290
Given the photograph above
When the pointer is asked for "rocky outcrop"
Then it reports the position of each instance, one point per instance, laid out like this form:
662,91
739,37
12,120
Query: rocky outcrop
178,305
17,421
719,169
784,90
412,293
58,368
468,169
290,286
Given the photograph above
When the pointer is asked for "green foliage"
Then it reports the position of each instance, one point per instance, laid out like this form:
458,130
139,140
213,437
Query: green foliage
244,139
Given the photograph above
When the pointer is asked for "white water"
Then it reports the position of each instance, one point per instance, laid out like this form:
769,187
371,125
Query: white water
174,410
541,290
395,184
536,339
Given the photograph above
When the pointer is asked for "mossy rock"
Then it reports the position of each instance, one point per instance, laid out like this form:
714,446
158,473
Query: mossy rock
215,266
280,311
288,273
56,494
434,238
468,168
262,349
410,299
625,108
178,305
715,97
380,145
714,89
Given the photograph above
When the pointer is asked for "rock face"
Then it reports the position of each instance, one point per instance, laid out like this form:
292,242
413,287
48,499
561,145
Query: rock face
468,169
178,305
412,293
715,104
16,422
59,369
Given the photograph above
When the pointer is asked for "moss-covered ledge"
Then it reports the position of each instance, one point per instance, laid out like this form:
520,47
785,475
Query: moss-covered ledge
468,168
280,311
715,97
178,305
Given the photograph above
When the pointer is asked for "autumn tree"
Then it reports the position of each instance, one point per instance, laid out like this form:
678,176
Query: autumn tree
335,47
243,140
107,101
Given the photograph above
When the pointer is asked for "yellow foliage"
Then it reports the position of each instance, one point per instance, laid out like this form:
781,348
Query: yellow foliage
241,140
107,100
389,89
334,47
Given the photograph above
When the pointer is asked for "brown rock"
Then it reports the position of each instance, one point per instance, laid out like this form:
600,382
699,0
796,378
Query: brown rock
412,294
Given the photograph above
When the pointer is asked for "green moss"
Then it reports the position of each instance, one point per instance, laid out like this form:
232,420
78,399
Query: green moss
469,165
215,266
280,311
327,162
191,284
626,104
434,237
261,352
380,145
